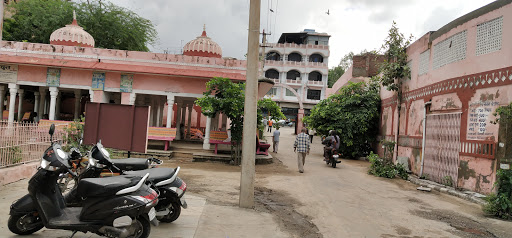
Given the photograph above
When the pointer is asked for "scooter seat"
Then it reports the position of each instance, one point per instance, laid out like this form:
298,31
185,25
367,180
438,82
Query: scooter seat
155,174
109,186
131,163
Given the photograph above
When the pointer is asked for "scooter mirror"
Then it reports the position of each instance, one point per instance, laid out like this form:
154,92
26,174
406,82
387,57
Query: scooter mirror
52,129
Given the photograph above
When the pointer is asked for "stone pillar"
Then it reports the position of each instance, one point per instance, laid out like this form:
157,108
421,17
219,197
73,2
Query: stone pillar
133,97
21,93
152,111
36,105
2,95
57,106
189,121
54,92
13,90
178,120
170,103
224,122
182,120
206,142
42,104
91,95
78,95
159,110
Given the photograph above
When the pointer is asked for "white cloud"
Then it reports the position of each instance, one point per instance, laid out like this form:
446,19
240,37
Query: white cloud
354,25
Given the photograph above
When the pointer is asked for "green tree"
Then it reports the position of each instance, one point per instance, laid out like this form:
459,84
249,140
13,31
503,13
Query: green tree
222,95
334,74
394,69
346,61
271,108
353,114
111,26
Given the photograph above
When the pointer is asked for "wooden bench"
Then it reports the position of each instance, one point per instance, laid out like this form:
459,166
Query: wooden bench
218,137
162,133
44,124
261,148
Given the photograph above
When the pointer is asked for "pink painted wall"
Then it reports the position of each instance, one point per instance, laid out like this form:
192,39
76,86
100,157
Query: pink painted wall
31,73
473,63
477,174
75,77
476,102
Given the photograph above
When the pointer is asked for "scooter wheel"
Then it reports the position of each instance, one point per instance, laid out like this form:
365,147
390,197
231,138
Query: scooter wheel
143,229
174,213
333,164
24,224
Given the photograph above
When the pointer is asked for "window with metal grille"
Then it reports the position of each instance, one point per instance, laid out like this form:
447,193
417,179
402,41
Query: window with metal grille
450,50
314,94
273,56
423,64
289,93
488,36
272,74
272,92
295,57
315,76
316,58
293,74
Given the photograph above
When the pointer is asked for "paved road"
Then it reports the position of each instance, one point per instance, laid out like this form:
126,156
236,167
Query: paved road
347,202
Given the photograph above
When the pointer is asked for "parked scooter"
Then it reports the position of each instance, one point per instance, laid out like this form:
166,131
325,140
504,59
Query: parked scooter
114,207
79,163
170,187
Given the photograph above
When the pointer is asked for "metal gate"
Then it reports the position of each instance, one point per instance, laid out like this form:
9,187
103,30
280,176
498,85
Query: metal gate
442,148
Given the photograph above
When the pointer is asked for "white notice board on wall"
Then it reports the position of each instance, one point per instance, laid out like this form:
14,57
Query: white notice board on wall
8,73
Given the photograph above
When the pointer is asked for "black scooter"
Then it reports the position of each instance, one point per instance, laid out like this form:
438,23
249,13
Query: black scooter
170,187
118,207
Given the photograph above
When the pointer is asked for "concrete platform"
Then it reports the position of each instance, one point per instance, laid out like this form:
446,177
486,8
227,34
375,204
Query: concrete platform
206,156
185,226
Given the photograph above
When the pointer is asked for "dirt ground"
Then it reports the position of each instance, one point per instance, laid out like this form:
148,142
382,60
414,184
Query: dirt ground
339,202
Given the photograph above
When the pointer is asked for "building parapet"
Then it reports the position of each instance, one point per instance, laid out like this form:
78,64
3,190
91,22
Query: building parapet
302,46
119,55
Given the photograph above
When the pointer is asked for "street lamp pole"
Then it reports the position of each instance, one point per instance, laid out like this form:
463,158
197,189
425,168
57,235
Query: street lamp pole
250,117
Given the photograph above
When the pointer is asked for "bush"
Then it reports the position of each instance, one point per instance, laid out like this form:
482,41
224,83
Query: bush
353,113
499,204
385,168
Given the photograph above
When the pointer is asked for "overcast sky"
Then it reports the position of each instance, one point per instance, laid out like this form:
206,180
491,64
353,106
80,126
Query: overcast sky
354,25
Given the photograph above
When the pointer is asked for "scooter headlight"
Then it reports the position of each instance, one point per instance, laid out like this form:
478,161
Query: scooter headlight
45,164
105,152
61,153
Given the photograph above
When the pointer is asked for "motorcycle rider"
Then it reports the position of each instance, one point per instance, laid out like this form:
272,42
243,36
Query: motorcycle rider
332,144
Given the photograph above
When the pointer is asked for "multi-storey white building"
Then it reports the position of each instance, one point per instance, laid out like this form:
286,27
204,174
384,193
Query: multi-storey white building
298,65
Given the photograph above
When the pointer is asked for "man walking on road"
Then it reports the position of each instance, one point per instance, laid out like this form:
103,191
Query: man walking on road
275,139
301,146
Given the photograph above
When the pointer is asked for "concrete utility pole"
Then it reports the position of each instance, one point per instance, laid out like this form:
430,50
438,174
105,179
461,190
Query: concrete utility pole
1,19
250,117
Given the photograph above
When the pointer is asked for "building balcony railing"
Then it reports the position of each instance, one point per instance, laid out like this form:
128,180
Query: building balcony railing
294,63
315,83
293,81
275,80
304,46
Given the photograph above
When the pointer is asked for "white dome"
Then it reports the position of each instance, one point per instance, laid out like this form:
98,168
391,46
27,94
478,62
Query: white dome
203,46
73,35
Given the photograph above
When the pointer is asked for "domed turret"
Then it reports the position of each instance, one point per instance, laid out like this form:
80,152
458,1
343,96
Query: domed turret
203,46
72,35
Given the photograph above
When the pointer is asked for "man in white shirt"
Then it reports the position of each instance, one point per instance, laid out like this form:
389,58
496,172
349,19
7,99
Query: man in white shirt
275,139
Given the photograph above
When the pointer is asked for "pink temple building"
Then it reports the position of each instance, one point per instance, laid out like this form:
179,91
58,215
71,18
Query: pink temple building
56,80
